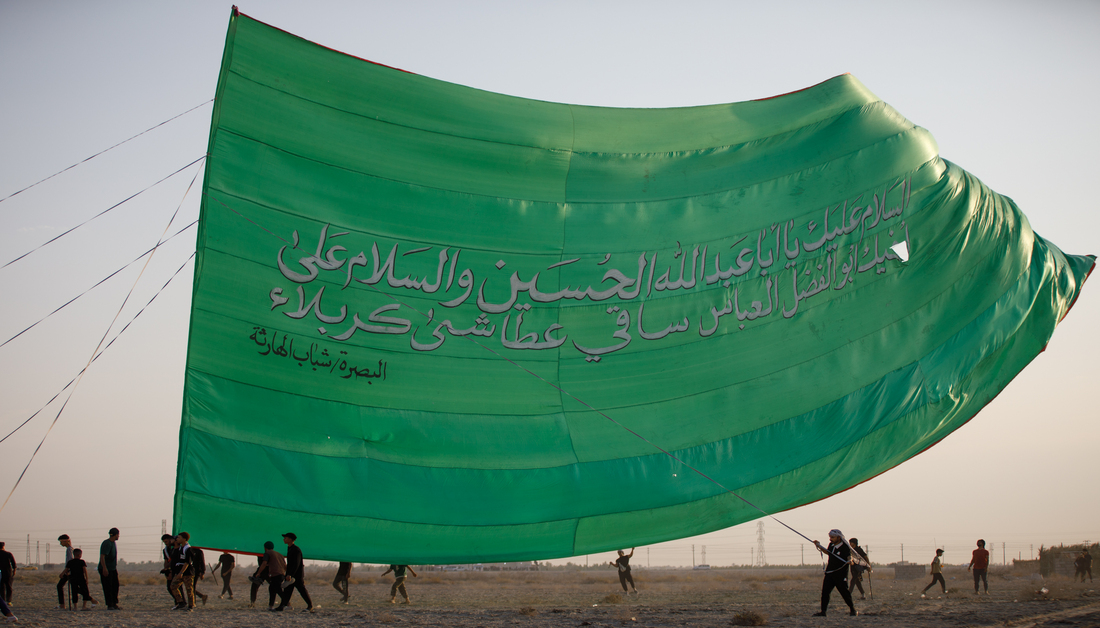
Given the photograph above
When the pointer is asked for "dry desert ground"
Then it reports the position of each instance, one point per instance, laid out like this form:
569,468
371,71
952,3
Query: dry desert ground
668,597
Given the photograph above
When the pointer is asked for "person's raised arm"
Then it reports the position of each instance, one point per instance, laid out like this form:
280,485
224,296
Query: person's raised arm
387,571
412,572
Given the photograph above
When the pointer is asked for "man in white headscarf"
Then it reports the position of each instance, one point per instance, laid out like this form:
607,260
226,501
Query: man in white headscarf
836,571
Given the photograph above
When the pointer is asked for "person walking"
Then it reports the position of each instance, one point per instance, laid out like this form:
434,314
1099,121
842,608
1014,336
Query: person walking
937,573
108,569
68,545
7,567
1083,565
166,554
979,560
399,582
295,574
183,580
857,568
836,571
198,572
258,579
340,582
8,615
275,566
226,562
622,564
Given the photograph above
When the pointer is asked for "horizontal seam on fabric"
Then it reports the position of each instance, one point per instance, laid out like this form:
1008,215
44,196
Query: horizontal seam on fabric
557,149
567,201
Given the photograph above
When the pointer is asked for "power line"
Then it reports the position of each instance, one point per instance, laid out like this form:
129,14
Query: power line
59,236
78,375
95,351
96,285
105,150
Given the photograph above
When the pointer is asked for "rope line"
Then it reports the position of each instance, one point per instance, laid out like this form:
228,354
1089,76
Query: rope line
397,300
108,346
97,284
105,150
95,351
57,237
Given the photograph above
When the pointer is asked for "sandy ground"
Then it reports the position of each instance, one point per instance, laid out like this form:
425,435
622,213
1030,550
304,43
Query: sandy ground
783,597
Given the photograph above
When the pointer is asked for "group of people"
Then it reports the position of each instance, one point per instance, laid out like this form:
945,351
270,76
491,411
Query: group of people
184,570
185,567
75,574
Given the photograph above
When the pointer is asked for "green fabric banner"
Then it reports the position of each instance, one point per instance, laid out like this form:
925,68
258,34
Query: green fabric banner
433,324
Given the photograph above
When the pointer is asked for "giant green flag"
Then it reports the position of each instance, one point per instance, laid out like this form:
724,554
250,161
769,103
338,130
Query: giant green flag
433,324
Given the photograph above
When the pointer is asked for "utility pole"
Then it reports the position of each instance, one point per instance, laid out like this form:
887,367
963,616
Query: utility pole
752,561
1004,561
803,546
38,552
163,527
903,553
28,550
704,555
647,558
1032,546
693,556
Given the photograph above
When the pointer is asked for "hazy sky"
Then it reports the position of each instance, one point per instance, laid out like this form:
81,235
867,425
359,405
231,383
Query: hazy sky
1008,89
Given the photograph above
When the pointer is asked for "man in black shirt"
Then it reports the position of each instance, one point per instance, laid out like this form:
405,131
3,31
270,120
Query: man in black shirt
182,574
198,572
7,566
226,562
166,553
622,563
836,571
340,583
295,574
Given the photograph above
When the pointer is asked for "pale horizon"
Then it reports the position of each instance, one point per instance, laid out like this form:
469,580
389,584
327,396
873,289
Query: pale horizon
1005,88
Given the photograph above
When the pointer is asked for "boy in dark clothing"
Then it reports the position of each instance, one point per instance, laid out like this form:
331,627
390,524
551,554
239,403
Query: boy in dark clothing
857,569
166,553
258,579
622,563
295,574
275,566
77,572
108,569
183,583
198,572
68,545
7,566
226,562
836,571
340,582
